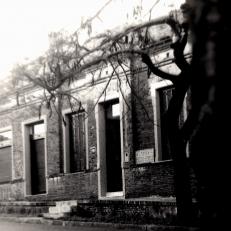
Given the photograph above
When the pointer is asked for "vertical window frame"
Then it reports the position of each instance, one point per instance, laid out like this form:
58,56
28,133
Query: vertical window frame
155,90
155,87
66,141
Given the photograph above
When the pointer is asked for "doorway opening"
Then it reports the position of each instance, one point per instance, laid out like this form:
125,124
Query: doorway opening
35,158
113,147
109,140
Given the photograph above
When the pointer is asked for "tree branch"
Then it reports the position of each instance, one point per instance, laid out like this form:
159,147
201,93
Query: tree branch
147,60
97,14
119,35
178,51
181,32
121,90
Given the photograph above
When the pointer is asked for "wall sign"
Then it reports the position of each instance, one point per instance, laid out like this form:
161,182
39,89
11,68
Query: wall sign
145,156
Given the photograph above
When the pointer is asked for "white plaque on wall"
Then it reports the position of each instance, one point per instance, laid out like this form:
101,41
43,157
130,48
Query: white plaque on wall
145,156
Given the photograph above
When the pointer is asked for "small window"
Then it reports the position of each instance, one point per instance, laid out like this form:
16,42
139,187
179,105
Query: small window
116,110
37,131
77,141
5,156
5,138
112,110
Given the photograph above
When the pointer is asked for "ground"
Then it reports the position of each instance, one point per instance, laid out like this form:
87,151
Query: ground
12,226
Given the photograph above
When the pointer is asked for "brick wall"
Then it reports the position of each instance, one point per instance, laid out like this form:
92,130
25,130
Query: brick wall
140,180
150,179
12,191
54,138
133,212
73,186
154,179
92,140
5,191
85,184
142,112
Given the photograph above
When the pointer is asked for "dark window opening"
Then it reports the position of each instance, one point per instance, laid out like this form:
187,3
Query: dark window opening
77,141
5,156
165,95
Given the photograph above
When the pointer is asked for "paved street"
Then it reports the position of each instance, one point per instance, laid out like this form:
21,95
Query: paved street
13,226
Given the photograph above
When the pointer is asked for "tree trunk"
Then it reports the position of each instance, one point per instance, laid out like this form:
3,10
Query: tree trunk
178,151
210,99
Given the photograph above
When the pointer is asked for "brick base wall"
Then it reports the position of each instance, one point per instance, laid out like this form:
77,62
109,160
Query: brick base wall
73,186
12,191
154,179
150,179
135,212
5,191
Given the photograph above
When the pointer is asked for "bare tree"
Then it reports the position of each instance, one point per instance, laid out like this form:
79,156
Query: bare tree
67,60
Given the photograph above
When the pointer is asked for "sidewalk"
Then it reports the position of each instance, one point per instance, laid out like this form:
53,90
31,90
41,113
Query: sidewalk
41,220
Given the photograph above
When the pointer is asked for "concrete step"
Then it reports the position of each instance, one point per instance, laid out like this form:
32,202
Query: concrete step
61,209
126,211
116,211
24,208
122,211
55,216
66,203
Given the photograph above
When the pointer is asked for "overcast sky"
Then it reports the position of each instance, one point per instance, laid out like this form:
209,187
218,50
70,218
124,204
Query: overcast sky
25,24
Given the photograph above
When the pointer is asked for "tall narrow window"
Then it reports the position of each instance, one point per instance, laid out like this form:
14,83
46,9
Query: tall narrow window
5,156
165,95
77,141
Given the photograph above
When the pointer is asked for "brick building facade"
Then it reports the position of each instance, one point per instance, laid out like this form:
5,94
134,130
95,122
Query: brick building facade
107,148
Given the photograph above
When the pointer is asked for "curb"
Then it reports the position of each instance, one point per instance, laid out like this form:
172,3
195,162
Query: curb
40,220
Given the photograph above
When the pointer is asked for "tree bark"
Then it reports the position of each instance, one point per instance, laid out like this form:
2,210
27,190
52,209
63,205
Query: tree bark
210,22
178,150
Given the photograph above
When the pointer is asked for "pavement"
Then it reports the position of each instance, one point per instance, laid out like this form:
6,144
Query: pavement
12,226
39,223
